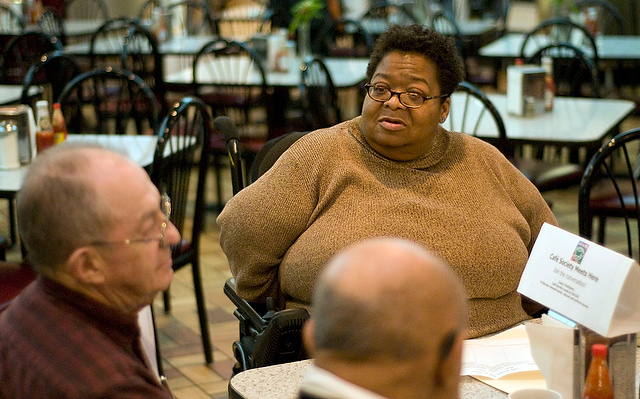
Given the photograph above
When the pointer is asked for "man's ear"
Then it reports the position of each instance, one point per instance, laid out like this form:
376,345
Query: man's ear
447,371
308,337
87,265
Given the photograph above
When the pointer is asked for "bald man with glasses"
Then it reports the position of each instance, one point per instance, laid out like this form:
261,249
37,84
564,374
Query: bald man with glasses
97,231
388,321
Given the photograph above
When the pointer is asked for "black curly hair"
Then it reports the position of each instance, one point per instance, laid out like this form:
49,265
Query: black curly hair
425,42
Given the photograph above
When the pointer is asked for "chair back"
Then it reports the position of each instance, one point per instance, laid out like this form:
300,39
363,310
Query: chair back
472,113
608,20
345,38
21,52
192,18
51,23
319,97
443,22
10,22
230,79
559,30
107,42
244,20
86,10
609,189
574,73
184,143
52,72
109,100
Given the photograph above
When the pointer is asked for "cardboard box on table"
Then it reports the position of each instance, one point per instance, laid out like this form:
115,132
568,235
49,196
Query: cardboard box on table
596,288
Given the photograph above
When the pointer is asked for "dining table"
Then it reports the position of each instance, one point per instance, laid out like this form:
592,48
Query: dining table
11,94
574,122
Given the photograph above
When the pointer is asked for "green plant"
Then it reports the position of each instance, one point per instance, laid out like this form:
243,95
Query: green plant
304,11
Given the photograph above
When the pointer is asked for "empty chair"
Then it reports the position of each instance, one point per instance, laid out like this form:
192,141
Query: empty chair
574,73
608,19
109,100
52,72
472,112
244,20
191,18
10,22
559,30
230,79
318,94
609,189
184,145
444,23
21,52
107,42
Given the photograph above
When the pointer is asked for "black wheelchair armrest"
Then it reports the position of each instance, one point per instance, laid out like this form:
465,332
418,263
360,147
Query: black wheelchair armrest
246,310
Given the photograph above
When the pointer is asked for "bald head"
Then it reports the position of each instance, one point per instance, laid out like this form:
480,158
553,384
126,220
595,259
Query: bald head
386,297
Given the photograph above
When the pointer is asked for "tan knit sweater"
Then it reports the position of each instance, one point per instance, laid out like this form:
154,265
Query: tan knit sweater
462,200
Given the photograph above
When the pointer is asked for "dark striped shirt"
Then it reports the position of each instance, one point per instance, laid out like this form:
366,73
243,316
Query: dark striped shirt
56,343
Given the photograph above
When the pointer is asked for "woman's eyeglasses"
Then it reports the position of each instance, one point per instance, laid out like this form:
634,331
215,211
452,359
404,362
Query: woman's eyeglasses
165,208
409,100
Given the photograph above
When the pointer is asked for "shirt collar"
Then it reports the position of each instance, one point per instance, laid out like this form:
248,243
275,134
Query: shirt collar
322,383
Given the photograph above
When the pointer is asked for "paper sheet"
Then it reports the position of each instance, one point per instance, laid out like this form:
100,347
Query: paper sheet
503,361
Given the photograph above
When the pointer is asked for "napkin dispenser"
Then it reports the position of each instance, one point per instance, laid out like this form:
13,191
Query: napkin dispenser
22,117
525,90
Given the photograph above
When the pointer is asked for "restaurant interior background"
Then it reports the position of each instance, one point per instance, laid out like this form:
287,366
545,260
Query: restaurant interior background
179,330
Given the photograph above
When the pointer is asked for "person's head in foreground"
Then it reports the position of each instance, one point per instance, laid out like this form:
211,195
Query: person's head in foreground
411,73
92,220
389,317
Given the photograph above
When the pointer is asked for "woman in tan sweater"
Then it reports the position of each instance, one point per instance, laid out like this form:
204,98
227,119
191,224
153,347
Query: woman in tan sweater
393,171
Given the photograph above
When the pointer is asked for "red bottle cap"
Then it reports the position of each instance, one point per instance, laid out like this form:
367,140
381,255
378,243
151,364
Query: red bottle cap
599,350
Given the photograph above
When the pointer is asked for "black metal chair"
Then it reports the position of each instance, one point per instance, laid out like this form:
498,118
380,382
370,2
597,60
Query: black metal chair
559,30
266,336
238,89
192,18
184,143
574,73
609,189
476,115
318,95
52,73
21,52
109,100
379,17
445,23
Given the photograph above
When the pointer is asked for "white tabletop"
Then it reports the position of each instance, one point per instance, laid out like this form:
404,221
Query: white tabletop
182,45
345,72
609,47
10,94
283,382
573,121
140,148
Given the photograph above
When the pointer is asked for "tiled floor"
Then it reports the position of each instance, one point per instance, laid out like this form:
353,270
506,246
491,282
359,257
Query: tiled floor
179,337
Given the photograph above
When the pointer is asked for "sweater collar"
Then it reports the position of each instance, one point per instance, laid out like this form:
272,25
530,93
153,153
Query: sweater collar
433,156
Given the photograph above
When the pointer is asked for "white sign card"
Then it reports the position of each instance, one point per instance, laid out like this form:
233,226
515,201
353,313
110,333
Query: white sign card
586,282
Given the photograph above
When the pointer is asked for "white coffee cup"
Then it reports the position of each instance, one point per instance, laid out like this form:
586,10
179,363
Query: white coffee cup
535,393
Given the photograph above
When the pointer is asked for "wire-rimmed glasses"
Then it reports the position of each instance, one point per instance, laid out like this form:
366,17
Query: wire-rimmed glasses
165,208
408,99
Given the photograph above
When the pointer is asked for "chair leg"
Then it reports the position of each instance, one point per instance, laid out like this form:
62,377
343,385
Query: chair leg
601,225
12,221
216,167
202,312
155,335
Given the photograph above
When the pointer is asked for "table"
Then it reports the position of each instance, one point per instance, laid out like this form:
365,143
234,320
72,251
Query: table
611,48
179,45
574,122
140,148
11,94
283,381
345,72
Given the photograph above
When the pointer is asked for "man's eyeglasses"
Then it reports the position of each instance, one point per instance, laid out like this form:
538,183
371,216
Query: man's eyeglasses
165,208
409,100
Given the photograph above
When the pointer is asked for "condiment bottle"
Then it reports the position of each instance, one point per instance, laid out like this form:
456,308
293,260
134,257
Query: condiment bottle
549,84
598,384
44,133
59,125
